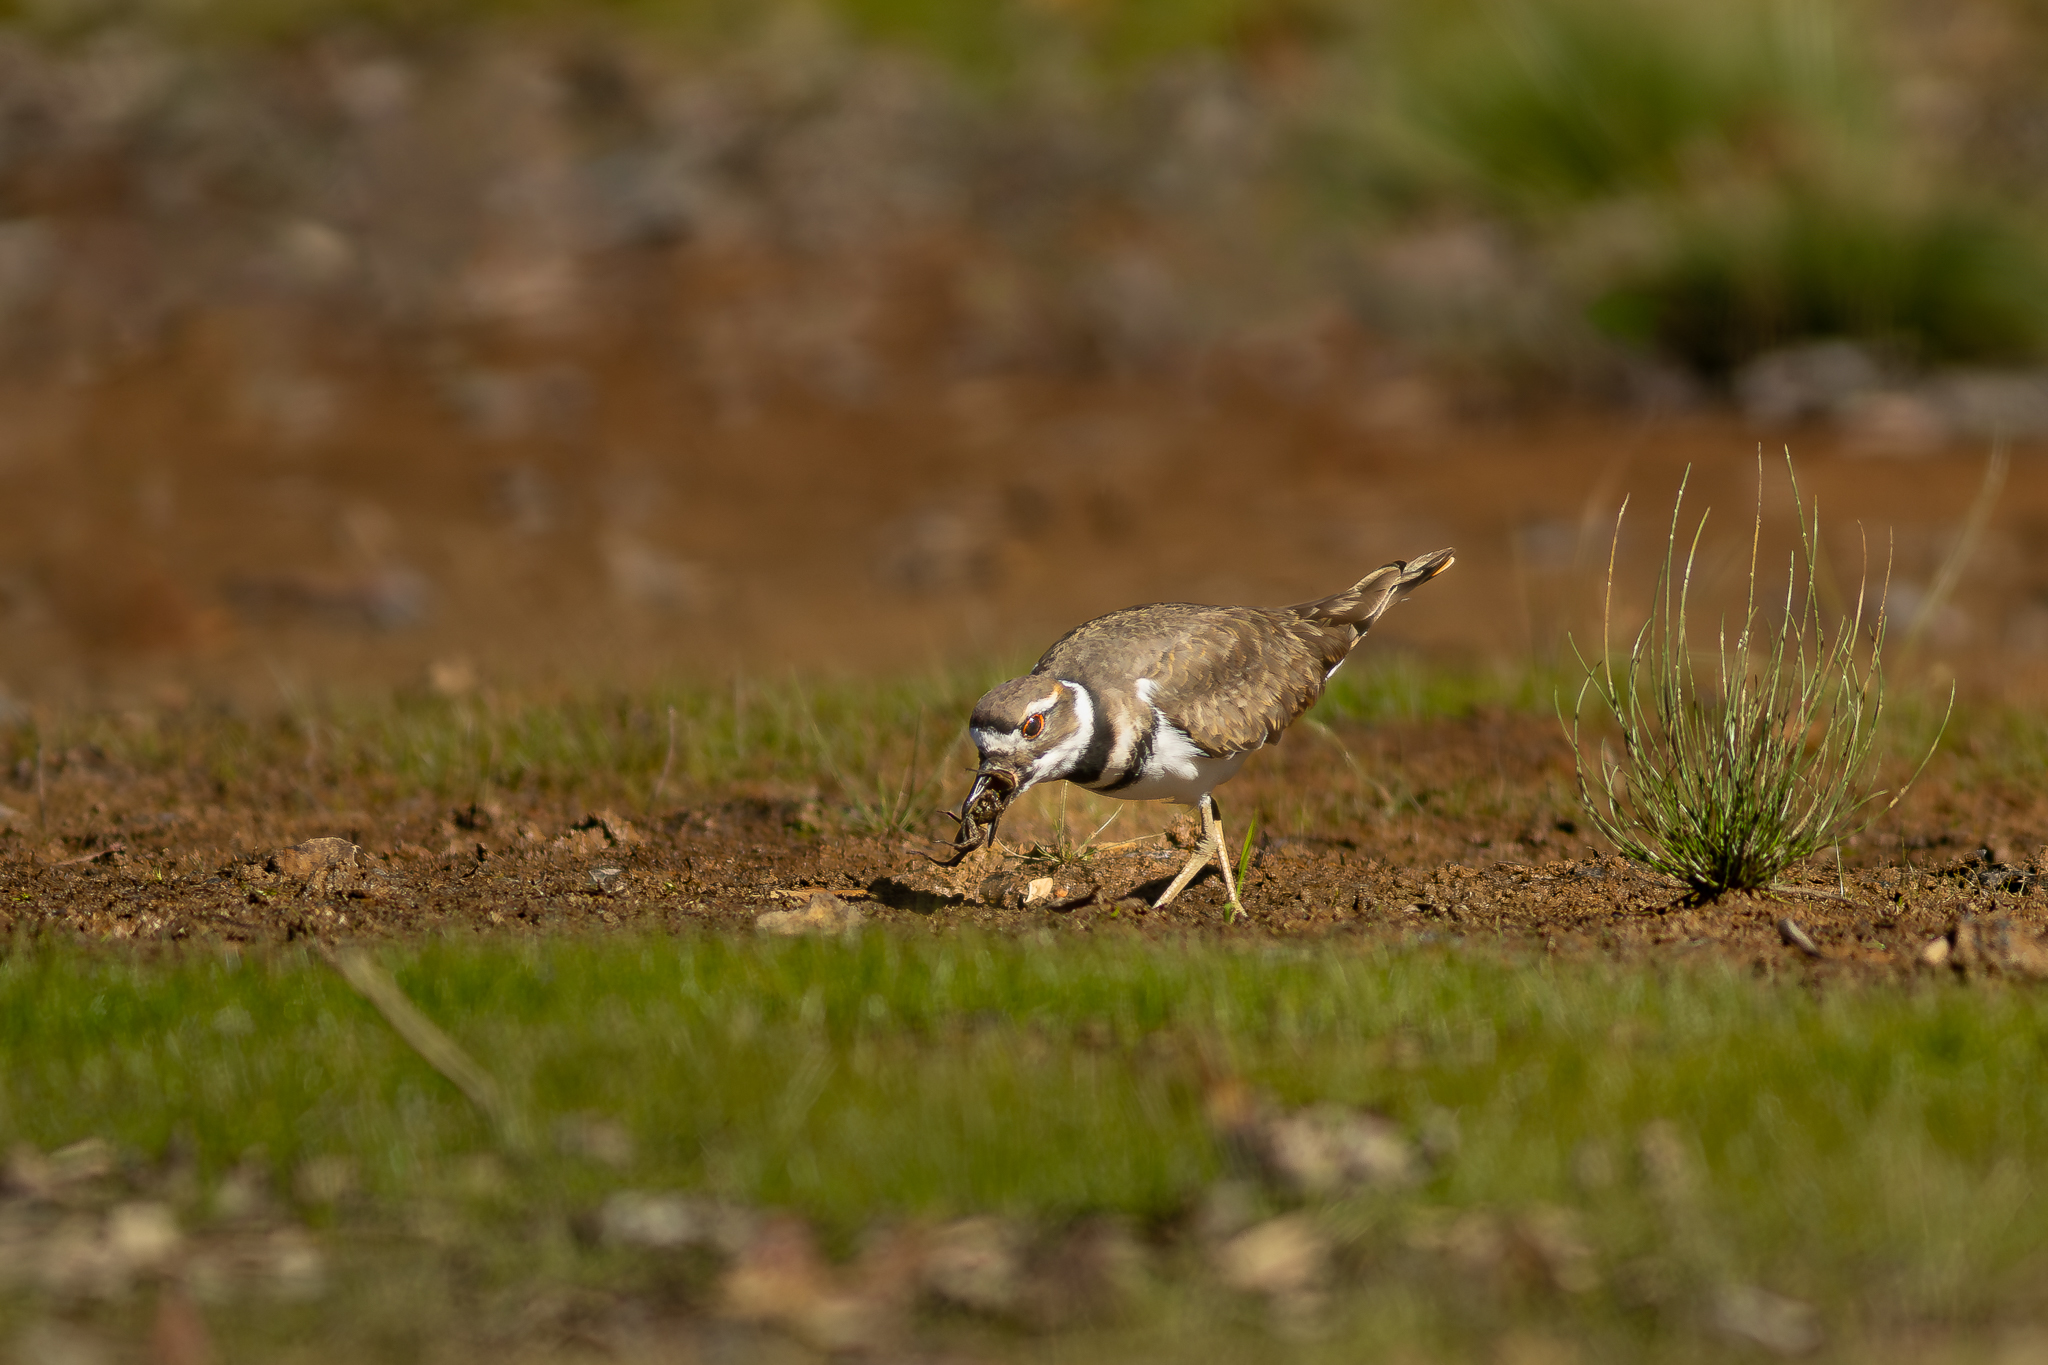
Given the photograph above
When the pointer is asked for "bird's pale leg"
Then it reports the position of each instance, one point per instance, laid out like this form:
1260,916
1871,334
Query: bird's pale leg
1210,847
1196,861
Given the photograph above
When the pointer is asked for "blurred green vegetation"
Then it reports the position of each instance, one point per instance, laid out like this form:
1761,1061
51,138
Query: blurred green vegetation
1713,179
1548,106
988,39
1949,283
1701,179
1867,1150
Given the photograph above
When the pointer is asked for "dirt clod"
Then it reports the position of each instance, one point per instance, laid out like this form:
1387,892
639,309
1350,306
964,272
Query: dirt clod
618,831
976,1264
303,861
1284,1259
1780,1325
1319,1151
781,1280
1995,946
825,914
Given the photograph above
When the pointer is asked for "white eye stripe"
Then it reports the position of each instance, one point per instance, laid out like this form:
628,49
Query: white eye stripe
1039,708
993,741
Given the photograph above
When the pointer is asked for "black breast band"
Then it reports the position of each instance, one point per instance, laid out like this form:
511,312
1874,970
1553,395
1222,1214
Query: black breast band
1096,757
1141,758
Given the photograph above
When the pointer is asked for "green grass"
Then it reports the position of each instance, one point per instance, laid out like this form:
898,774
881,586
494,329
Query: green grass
841,756
880,752
1737,762
1876,1151
867,742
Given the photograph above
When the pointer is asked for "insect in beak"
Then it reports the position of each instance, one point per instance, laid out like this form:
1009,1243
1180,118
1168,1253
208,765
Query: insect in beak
983,809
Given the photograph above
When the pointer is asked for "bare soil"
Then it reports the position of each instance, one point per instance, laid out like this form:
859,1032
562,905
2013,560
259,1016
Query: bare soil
177,561
1413,851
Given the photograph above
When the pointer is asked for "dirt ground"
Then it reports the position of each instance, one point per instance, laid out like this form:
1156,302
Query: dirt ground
629,529
1948,880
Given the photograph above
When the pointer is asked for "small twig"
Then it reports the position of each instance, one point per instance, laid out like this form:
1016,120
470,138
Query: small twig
89,857
1812,893
1129,843
1794,936
425,1037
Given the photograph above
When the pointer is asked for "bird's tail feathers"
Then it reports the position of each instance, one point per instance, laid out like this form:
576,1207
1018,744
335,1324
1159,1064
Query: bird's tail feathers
1361,604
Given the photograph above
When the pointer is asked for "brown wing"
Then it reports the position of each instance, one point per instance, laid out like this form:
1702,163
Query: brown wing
1233,678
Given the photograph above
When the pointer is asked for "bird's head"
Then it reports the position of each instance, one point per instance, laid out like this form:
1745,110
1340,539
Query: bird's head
1027,731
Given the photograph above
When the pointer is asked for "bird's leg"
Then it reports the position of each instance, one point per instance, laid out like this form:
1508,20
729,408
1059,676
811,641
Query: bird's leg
1196,861
1210,847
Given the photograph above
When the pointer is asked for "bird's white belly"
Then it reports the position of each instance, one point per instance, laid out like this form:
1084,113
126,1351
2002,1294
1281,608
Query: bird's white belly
1185,785
1177,771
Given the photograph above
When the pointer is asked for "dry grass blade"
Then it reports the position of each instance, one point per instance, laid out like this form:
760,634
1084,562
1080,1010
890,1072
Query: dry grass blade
1950,574
875,804
1796,937
1727,781
425,1037
1065,850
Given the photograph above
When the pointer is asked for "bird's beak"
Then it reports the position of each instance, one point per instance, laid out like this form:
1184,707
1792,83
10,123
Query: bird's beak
1002,783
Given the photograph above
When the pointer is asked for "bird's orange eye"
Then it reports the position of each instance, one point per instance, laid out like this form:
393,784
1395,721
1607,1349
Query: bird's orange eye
1032,727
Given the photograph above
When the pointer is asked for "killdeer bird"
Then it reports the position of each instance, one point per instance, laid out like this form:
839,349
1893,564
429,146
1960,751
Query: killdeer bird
1165,702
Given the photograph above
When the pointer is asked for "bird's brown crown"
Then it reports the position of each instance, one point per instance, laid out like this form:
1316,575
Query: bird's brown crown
1004,706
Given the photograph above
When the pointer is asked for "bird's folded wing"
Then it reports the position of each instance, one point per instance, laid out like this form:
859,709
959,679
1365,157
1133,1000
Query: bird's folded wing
1232,677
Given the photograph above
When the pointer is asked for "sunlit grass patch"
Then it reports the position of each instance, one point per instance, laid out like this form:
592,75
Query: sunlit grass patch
1838,1148
880,753
1392,687
873,747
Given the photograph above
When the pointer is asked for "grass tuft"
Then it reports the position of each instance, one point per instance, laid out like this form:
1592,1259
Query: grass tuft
1726,782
